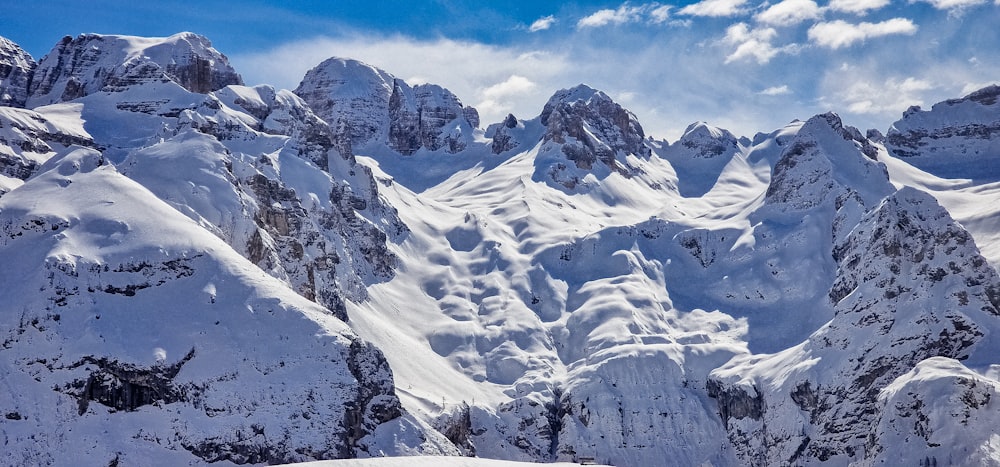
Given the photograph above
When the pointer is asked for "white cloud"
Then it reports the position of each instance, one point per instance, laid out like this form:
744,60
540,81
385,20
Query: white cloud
623,14
789,13
468,69
970,88
776,91
714,8
954,5
859,7
542,23
839,33
497,97
889,97
653,13
661,14
753,43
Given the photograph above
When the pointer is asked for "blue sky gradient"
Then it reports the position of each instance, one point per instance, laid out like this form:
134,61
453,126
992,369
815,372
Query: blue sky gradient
744,65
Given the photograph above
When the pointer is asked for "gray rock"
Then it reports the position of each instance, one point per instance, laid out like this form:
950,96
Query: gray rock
90,63
366,105
16,68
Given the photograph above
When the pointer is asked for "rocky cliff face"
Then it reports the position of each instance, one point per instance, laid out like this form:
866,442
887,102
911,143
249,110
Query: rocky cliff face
937,409
90,63
283,194
16,68
895,305
146,337
366,105
956,138
593,129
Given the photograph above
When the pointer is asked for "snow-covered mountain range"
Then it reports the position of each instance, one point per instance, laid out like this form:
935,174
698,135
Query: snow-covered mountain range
200,272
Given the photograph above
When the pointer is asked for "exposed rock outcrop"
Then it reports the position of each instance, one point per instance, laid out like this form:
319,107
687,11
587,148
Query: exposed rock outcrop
957,138
592,128
90,63
910,286
149,334
16,68
503,141
27,140
366,105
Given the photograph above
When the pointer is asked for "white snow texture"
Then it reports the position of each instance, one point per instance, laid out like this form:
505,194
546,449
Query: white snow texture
199,272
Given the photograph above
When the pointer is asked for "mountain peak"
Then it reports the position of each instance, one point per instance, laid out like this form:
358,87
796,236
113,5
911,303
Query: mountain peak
580,92
957,138
367,105
90,63
592,128
16,67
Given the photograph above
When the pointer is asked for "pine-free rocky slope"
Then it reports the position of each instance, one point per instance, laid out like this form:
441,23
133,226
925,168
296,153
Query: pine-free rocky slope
205,272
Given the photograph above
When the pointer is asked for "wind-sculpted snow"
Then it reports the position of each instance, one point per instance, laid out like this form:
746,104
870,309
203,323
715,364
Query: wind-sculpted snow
147,340
16,68
699,157
28,139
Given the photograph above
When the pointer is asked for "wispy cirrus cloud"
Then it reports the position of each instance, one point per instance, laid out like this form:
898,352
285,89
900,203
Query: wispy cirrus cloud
652,13
858,7
782,90
840,33
621,15
542,23
714,8
954,7
874,96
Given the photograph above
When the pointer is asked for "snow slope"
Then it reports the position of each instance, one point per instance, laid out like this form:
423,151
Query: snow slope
148,340
555,288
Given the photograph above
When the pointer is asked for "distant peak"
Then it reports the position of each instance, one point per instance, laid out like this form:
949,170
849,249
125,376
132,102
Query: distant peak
984,96
702,130
578,93
16,67
91,62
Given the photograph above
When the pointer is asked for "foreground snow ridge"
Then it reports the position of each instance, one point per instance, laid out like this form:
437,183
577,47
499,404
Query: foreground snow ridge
425,461
356,273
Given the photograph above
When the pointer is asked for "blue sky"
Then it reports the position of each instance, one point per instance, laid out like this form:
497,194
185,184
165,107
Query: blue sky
744,65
